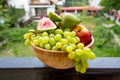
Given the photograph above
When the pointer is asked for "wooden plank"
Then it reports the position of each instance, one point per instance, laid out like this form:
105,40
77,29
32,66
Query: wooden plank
33,69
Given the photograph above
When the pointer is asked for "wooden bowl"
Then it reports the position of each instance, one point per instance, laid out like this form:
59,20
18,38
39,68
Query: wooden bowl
56,59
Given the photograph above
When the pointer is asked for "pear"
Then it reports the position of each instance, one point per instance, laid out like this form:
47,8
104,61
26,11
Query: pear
68,20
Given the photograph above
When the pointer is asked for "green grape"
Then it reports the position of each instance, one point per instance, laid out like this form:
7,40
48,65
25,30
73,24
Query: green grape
77,58
58,31
52,41
44,34
57,37
40,40
39,34
84,58
66,33
63,48
78,67
35,42
69,38
83,70
42,45
85,64
77,39
87,51
31,30
30,33
27,35
71,55
51,35
67,29
58,45
73,46
76,63
80,45
55,48
73,33
92,56
37,37
45,39
48,46
73,41
78,52
27,42
63,41
69,49
33,37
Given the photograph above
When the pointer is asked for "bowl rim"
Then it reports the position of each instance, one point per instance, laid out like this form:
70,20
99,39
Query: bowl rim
89,45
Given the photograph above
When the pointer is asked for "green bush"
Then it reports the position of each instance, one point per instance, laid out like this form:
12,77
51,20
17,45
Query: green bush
116,29
4,26
16,34
102,36
99,21
4,34
76,3
10,15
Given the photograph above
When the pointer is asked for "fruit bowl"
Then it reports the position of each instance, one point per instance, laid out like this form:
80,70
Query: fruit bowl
56,59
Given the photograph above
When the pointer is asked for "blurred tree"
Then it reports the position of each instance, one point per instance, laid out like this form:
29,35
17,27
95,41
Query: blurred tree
110,4
9,16
76,2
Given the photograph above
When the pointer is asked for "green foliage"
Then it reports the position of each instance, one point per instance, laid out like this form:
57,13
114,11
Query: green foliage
3,34
102,37
110,4
99,20
76,2
10,15
4,26
16,34
13,20
104,45
116,29
17,49
15,46
1,37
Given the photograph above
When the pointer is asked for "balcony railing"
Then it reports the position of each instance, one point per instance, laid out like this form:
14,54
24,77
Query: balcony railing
33,69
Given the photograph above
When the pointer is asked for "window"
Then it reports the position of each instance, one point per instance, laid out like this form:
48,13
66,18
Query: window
41,11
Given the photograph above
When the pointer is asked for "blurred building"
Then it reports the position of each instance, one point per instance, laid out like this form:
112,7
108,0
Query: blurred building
40,8
95,3
35,8
89,10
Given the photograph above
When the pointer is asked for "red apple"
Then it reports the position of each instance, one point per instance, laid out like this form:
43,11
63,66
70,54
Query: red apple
83,33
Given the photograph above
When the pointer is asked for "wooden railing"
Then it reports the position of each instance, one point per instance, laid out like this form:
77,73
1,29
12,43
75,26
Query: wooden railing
33,69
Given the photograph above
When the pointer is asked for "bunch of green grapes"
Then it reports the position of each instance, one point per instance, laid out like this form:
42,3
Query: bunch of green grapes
80,57
52,40
62,40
